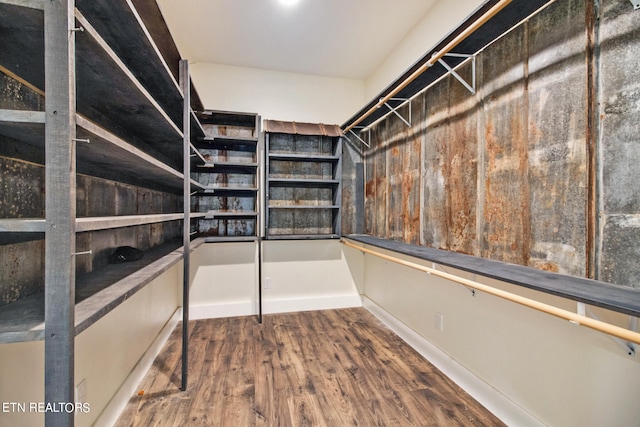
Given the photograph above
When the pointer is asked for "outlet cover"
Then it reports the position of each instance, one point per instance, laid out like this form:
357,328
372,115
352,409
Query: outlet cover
439,322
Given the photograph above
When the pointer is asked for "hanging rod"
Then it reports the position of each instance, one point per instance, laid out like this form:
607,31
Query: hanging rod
436,56
607,328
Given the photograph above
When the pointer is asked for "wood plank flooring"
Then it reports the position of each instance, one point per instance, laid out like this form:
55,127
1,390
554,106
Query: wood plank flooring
318,368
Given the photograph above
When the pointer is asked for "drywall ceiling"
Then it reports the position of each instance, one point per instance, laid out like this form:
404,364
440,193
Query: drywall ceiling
335,38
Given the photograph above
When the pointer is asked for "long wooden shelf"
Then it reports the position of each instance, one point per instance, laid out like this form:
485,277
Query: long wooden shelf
97,293
600,294
38,225
303,182
104,155
304,157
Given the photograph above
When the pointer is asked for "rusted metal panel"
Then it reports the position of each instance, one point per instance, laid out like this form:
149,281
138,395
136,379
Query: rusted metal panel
461,166
557,162
620,142
435,225
506,227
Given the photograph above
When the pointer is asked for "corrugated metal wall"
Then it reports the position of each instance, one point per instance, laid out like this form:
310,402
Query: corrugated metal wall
524,171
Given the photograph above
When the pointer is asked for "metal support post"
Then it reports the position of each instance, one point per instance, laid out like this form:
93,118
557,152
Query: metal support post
60,205
186,230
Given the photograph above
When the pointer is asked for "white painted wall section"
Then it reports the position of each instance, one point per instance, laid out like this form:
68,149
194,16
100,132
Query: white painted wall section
277,95
435,25
560,374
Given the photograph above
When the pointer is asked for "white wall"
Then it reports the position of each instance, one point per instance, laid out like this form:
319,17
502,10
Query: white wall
560,373
277,95
105,353
439,21
302,274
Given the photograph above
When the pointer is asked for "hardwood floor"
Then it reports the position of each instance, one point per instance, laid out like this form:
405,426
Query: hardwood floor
319,368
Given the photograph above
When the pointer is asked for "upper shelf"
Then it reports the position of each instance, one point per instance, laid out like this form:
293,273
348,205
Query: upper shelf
223,142
108,89
303,157
104,151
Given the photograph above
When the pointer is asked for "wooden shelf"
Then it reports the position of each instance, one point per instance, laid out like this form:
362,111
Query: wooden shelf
303,182
229,143
303,157
304,207
105,155
97,293
301,236
227,167
229,214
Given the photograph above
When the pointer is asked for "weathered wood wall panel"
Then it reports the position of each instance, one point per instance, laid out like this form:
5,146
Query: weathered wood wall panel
461,166
435,224
506,173
620,144
557,138
505,233
352,187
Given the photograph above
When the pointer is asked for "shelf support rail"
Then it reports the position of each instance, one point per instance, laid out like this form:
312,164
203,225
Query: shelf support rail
436,56
631,336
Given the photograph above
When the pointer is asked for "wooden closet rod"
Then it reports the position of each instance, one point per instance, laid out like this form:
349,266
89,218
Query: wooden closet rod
436,56
607,328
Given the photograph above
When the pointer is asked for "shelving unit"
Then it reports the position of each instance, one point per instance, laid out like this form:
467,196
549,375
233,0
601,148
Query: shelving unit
228,198
115,113
303,182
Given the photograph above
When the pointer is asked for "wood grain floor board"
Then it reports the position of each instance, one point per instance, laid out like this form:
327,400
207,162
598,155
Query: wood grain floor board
322,368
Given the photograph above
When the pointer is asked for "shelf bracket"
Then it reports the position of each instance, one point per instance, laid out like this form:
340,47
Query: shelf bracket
395,110
471,87
629,347
636,4
368,144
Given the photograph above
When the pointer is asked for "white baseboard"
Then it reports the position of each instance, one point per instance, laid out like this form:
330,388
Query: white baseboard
309,304
247,308
214,311
497,403
119,401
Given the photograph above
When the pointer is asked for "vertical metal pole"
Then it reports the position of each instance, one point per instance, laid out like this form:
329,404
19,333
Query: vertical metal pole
260,203
60,205
186,231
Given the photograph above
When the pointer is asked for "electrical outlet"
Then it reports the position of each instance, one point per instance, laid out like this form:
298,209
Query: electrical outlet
267,283
81,391
439,322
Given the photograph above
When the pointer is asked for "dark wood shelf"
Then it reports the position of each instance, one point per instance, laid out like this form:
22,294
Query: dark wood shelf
97,293
600,294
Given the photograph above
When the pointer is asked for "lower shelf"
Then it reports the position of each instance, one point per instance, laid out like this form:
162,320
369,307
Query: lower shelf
222,239
97,293
301,236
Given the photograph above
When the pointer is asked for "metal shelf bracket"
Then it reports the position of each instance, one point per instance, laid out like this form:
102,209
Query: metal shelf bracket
395,110
629,347
471,87
361,128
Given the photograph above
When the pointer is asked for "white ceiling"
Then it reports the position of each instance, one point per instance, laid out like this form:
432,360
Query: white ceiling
335,38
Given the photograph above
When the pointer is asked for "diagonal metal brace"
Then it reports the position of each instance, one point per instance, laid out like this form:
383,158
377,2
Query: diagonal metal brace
395,110
471,87
359,138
